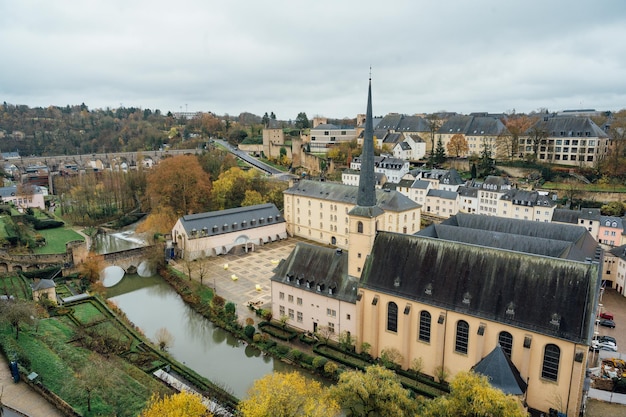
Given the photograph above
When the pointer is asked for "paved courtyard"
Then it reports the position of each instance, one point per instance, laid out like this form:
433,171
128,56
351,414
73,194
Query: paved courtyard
245,277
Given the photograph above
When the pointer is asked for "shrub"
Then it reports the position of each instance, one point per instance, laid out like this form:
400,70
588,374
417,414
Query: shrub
258,337
282,349
249,331
319,362
295,354
391,357
330,368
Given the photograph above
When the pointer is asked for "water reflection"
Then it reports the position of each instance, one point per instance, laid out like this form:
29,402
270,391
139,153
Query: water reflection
203,347
118,241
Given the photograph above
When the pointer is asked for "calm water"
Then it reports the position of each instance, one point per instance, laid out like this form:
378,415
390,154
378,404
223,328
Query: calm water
152,304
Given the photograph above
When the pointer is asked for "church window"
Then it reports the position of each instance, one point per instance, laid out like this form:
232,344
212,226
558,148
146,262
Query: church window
551,358
392,317
424,330
359,227
505,339
462,337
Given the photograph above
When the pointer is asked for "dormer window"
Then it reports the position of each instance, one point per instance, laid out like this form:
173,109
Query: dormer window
234,225
225,227
555,320
243,223
467,298
396,282
215,228
310,284
270,218
320,287
252,222
429,289
261,220
510,311
332,289
205,230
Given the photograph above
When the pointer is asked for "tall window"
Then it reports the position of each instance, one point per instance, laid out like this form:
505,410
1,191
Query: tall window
506,342
424,333
551,357
462,336
359,227
392,317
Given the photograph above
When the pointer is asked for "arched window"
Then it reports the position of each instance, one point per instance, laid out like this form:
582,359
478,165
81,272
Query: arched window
462,337
333,240
551,358
505,339
392,317
424,330
359,227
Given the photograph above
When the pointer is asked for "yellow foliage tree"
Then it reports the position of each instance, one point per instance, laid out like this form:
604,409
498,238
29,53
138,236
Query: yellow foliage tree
288,395
471,395
252,198
375,392
183,404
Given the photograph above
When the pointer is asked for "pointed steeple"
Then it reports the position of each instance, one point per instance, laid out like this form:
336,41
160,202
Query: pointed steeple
367,179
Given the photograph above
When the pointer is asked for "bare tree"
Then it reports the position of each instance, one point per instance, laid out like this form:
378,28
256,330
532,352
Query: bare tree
164,339
203,268
16,312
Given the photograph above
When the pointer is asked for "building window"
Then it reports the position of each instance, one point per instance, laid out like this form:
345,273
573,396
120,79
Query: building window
347,316
359,227
299,301
505,339
330,312
299,316
331,327
424,330
551,357
281,296
392,317
462,337
281,310
291,315
290,298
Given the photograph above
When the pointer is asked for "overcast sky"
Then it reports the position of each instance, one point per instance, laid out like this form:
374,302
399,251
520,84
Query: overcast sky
289,56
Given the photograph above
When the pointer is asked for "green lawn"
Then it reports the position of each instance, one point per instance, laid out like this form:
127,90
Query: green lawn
603,188
56,239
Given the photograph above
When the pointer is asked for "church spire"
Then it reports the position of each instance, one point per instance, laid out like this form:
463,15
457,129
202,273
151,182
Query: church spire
366,196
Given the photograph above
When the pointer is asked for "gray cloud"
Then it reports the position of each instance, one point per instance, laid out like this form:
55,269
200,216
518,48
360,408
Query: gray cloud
291,56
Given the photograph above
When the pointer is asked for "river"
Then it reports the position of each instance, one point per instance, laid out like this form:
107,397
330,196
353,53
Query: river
151,304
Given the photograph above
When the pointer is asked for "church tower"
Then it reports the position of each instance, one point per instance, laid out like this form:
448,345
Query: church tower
364,216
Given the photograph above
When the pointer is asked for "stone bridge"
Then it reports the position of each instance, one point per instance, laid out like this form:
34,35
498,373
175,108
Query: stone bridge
128,259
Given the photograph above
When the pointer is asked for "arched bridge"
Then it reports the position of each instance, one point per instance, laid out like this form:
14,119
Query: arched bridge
127,259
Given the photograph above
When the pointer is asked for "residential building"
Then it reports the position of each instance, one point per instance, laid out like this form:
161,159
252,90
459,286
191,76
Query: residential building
490,192
478,131
441,203
313,289
614,271
567,140
23,197
468,199
393,168
526,205
453,293
611,231
219,232
325,136
351,177
586,217
412,148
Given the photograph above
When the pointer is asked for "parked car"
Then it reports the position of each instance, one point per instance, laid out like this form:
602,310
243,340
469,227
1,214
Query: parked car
604,338
607,323
609,346
606,315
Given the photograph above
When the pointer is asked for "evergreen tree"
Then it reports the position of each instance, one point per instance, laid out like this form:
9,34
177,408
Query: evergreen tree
440,152
485,163
474,173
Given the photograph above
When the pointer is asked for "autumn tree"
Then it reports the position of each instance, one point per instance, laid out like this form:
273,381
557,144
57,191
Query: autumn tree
288,395
516,125
457,145
470,396
216,161
91,267
375,392
182,404
537,134
252,197
614,164
178,186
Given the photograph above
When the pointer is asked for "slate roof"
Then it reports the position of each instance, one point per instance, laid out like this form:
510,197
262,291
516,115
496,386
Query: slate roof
570,126
445,194
404,146
528,198
392,138
386,199
501,372
11,191
326,126
421,184
465,191
545,295
619,251
572,216
503,231
403,123
236,219
319,265
473,125
43,284
612,220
